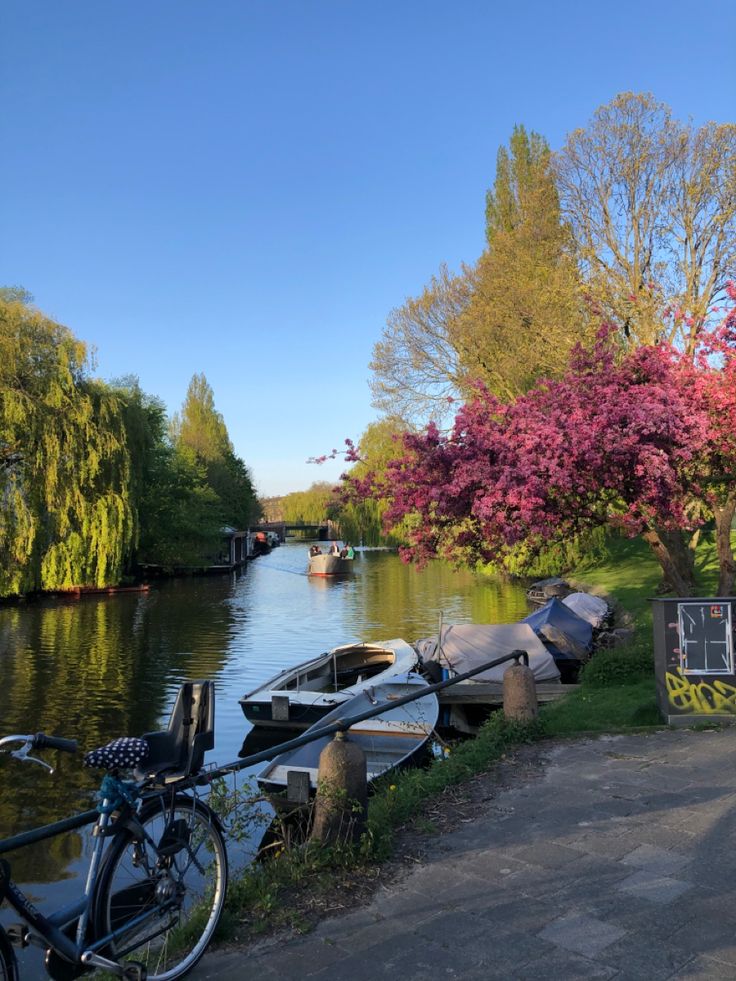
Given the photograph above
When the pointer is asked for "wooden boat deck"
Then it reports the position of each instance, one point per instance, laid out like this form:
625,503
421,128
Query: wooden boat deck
491,693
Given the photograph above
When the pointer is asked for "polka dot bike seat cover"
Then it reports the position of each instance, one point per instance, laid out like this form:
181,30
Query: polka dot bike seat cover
120,754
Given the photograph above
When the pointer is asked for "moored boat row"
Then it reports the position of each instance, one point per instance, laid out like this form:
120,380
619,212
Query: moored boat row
343,682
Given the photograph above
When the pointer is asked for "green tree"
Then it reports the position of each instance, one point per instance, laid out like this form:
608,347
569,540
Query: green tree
507,320
311,506
201,428
525,310
522,171
199,425
181,515
178,515
65,512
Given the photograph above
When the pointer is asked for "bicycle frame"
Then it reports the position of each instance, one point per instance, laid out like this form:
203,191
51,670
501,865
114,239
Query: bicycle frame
51,929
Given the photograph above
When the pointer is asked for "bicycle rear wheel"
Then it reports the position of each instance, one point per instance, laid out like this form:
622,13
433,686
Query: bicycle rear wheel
178,878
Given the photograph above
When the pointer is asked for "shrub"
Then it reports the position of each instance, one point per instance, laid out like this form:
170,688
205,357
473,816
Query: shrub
619,665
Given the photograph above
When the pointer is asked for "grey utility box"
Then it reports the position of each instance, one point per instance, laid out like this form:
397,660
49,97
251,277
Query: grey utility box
694,659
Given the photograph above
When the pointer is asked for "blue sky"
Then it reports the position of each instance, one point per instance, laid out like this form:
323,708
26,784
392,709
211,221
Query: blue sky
246,188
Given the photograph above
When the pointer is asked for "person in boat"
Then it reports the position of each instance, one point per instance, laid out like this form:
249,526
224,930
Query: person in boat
334,549
350,552
344,552
315,550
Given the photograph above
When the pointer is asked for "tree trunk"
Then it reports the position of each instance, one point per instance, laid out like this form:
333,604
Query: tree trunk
695,540
675,558
726,563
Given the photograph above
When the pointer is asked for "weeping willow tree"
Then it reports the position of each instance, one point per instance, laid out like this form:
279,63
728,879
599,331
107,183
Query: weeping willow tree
312,506
65,513
361,514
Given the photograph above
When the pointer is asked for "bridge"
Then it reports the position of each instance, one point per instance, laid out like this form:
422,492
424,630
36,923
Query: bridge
323,530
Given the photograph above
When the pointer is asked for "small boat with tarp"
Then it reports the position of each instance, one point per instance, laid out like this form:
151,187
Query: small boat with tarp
546,589
461,647
591,608
568,637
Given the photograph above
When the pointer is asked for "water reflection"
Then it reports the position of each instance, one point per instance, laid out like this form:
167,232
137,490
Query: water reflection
90,670
101,667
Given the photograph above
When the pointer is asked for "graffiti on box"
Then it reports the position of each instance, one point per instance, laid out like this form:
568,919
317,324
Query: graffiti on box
690,695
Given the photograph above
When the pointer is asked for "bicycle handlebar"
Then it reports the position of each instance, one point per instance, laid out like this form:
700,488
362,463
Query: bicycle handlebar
42,741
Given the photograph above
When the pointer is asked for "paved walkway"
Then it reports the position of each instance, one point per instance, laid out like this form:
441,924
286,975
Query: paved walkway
619,861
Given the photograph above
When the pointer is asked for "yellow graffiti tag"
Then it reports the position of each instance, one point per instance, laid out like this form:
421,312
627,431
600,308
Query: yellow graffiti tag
702,697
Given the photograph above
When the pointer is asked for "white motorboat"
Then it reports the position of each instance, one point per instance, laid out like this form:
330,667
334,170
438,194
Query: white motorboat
388,740
324,564
300,696
329,564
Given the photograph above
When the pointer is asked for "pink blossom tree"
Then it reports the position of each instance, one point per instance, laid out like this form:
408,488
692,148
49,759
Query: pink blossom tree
710,380
645,440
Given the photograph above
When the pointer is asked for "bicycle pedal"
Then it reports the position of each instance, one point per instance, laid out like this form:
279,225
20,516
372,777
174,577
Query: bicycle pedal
135,971
18,934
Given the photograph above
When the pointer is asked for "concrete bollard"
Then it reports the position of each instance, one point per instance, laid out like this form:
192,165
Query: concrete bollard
342,793
519,694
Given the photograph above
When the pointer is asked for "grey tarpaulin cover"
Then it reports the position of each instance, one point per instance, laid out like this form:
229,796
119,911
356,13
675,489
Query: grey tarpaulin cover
466,645
590,608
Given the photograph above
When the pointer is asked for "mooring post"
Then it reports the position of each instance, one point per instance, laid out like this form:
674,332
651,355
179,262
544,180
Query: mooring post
519,694
342,792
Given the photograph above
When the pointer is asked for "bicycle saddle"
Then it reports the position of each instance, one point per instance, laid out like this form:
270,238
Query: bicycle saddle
121,754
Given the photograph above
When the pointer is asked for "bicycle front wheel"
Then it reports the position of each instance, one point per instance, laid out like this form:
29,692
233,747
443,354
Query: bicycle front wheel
162,894
8,965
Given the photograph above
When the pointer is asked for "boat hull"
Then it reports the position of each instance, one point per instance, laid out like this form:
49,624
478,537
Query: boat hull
389,740
299,696
260,713
328,565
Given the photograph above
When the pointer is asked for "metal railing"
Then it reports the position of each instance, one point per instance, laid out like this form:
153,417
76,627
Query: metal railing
340,725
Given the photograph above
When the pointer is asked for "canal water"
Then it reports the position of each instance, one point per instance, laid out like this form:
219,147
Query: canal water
99,667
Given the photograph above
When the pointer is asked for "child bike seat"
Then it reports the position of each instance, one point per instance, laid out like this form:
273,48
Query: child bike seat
171,755
178,752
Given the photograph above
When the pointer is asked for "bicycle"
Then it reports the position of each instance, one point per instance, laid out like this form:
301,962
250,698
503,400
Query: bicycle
158,872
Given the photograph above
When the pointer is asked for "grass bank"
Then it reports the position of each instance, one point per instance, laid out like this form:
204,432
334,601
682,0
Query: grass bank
616,694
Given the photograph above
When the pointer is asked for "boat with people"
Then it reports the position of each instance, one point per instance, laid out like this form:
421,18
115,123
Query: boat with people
301,695
331,563
324,564
389,740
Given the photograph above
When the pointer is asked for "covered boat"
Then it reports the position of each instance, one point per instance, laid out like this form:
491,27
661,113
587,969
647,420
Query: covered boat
568,637
300,696
464,646
591,608
388,740
546,589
